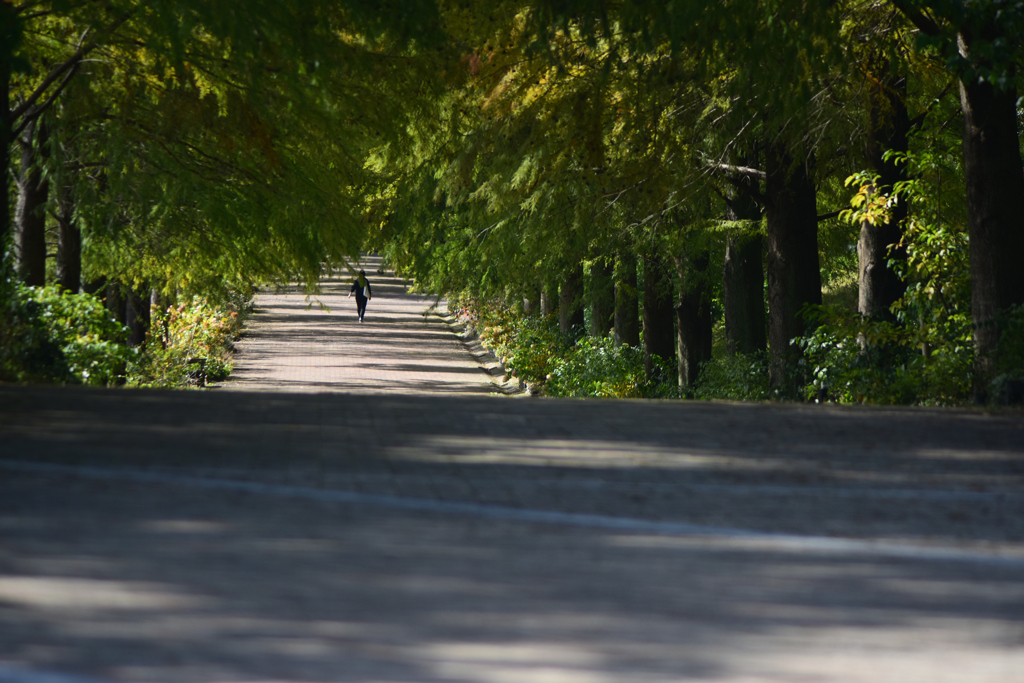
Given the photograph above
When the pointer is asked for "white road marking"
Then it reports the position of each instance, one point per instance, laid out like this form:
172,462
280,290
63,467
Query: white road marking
781,542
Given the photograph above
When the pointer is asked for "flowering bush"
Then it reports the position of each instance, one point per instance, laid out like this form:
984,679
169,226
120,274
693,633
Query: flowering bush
186,340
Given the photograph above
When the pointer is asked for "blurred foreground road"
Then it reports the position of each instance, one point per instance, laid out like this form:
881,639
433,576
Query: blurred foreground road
410,531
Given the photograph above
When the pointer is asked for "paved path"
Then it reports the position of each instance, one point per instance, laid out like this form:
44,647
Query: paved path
365,534
317,344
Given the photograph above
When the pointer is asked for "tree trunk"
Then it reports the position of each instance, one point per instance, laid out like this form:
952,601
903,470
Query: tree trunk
115,301
794,275
995,213
30,212
880,286
570,301
159,303
8,40
602,298
627,304
743,280
69,243
743,294
531,299
137,316
549,298
658,313
693,316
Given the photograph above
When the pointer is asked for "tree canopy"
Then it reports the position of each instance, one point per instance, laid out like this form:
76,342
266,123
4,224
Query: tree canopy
503,148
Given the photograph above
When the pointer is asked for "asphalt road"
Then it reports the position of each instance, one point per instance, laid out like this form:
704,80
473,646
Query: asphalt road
412,530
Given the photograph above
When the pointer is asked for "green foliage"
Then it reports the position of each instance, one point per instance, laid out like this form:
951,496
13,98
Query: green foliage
596,367
185,340
208,145
50,335
534,350
738,377
850,360
926,355
529,346
1009,353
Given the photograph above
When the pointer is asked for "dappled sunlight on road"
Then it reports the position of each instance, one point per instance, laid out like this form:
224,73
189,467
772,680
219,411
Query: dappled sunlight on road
167,584
317,345
188,537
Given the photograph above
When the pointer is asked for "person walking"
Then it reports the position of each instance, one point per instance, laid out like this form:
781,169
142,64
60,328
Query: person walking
361,288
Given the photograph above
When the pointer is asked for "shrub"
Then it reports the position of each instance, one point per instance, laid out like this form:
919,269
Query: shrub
850,360
596,367
534,350
740,377
193,331
51,335
926,354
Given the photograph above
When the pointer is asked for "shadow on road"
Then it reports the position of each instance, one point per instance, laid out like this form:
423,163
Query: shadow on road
159,582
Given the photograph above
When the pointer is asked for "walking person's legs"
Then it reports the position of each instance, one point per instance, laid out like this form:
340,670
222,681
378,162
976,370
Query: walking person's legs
361,307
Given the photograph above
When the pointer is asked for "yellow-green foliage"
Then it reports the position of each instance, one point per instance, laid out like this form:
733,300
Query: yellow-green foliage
182,335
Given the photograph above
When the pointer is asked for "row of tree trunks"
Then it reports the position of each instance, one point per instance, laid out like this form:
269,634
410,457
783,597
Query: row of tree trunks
30,216
794,274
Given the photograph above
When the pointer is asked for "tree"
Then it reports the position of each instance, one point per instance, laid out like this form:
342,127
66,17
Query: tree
191,150
981,42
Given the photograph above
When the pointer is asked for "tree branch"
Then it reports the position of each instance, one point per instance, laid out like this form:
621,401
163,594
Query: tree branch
922,21
69,64
742,170
33,113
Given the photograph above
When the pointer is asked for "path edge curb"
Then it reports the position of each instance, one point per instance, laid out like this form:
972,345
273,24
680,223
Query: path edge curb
489,363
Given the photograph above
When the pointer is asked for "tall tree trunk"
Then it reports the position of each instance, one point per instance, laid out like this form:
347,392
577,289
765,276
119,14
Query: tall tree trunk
137,316
69,242
602,297
549,298
743,278
880,286
693,316
115,301
9,30
159,302
627,303
794,275
570,301
995,212
30,212
658,313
